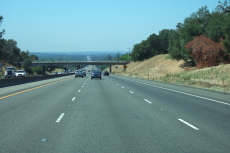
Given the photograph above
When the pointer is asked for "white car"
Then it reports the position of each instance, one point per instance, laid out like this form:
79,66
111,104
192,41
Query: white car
20,73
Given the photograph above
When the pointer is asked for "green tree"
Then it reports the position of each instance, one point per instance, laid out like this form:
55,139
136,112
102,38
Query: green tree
141,51
26,64
152,46
10,51
214,29
1,40
51,68
24,55
3,31
224,9
38,70
226,29
126,57
33,57
192,26
175,45
164,40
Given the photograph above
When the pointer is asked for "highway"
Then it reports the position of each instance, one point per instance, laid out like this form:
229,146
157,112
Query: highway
115,114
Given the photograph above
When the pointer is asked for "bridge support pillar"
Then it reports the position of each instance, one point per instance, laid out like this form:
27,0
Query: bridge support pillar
110,68
43,70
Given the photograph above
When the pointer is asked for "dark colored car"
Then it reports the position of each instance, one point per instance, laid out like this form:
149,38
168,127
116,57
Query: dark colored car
79,74
84,73
106,73
96,74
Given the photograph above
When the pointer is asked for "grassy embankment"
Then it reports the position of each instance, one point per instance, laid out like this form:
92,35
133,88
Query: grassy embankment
160,68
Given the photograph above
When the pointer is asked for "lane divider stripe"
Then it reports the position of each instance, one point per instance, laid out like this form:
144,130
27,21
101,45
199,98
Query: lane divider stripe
60,117
179,92
148,101
190,125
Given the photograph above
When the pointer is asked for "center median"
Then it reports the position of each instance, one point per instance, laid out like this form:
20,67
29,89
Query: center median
16,81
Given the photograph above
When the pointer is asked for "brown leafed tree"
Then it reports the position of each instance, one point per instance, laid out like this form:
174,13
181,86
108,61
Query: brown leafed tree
206,52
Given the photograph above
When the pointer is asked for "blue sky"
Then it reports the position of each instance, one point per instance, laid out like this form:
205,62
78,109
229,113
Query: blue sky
91,25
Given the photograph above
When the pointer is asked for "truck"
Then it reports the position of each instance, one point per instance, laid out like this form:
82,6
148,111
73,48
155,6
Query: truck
9,72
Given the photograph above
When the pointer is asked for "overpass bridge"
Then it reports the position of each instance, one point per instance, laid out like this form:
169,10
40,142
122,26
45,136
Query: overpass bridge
78,64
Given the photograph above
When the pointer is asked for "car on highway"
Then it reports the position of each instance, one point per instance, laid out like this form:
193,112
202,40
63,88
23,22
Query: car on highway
84,73
10,72
20,73
79,73
106,73
96,74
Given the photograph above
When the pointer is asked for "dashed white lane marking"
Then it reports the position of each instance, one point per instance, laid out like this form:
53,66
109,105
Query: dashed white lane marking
60,117
73,98
79,90
122,87
82,86
180,92
131,92
117,84
148,101
190,125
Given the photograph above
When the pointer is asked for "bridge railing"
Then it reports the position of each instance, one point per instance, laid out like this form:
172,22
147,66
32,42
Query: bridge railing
79,61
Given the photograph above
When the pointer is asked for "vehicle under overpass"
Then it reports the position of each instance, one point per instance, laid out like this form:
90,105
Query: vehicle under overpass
79,63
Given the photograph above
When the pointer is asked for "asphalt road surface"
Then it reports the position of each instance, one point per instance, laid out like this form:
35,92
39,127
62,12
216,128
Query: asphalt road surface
115,114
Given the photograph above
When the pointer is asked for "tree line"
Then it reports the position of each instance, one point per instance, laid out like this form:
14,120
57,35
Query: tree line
11,54
215,26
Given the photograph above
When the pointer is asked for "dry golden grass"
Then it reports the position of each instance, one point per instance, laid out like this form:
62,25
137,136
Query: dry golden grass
159,68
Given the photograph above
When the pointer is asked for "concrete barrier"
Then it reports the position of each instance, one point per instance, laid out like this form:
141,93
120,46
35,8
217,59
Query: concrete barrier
16,81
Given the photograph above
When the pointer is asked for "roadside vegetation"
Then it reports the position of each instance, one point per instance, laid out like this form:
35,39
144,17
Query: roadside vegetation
215,78
164,69
11,55
203,38
200,46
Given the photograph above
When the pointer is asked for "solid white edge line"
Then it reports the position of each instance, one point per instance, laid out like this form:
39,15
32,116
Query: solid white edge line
60,117
190,125
182,93
148,101
73,98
